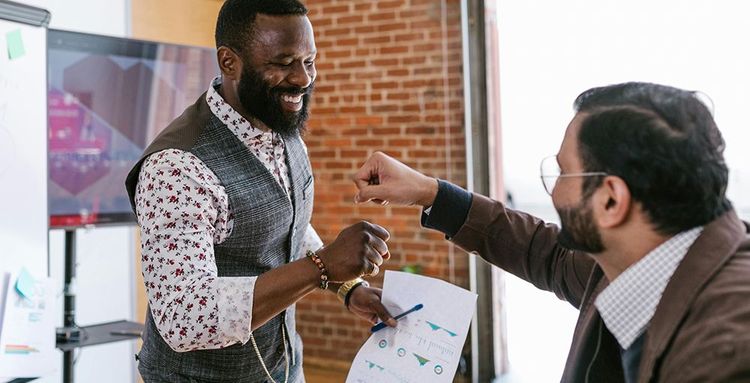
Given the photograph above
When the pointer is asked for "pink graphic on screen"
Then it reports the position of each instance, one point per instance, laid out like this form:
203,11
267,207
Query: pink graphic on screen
103,110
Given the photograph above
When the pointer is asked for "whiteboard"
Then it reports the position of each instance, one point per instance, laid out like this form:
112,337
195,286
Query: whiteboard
23,149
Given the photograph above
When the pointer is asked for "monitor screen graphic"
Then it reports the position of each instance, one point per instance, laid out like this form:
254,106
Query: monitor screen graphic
107,99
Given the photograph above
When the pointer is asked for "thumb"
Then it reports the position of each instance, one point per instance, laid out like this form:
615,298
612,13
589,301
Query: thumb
371,192
383,314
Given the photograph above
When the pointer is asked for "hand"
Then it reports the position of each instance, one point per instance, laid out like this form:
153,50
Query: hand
358,251
383,179
365,303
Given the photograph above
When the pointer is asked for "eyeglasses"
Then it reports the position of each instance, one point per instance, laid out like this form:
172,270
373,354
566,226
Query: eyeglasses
550,173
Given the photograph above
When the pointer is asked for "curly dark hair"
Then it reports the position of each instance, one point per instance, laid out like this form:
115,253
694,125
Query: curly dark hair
234,26
663,142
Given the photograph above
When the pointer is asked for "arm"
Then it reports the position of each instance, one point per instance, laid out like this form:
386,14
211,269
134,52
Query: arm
183,211
520,244
514,241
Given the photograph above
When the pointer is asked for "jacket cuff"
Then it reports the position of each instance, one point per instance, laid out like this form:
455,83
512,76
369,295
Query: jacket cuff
448,213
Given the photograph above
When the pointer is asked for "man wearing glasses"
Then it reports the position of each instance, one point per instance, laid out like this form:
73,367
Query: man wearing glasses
649,249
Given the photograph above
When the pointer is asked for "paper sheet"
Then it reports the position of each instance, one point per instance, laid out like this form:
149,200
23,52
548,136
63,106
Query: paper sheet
27,339
426,345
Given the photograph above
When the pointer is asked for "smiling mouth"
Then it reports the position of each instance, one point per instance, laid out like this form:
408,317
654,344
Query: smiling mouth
292,103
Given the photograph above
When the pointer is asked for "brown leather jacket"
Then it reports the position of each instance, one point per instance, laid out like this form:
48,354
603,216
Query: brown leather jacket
700,331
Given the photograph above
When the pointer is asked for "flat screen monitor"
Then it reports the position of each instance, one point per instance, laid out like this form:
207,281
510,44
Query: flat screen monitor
108,97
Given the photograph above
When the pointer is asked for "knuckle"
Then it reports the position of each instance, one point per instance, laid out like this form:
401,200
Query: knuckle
365,237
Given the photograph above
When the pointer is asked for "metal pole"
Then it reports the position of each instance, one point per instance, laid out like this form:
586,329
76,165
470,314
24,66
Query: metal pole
69,310
478,180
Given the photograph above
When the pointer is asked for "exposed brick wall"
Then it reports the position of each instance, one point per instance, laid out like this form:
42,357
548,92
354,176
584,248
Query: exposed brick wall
390,79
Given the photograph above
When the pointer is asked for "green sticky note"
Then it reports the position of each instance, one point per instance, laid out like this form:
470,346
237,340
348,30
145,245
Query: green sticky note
15,44
25,284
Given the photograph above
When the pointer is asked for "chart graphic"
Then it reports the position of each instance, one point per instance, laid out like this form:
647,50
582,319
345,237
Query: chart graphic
374,365
422,360
435,327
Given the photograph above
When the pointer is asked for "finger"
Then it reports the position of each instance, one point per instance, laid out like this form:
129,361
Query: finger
366,173
371,192
375,270
386,256
369,268
383,314
380,232
374,257
378,245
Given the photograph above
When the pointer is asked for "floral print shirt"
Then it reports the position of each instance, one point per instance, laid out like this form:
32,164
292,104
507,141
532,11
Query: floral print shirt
183,211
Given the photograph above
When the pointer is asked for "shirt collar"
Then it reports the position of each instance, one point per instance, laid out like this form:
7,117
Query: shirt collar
630,301
240,126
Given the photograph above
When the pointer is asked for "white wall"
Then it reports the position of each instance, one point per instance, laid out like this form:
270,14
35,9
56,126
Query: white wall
104,286
550,51
108,17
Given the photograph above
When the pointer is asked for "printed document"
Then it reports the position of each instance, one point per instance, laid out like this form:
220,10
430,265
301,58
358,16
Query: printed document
426,344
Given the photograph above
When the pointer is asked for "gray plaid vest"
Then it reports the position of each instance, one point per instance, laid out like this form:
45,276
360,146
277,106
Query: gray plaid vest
268,232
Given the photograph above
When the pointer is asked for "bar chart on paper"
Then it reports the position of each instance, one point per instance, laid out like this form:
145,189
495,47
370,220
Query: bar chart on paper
426,345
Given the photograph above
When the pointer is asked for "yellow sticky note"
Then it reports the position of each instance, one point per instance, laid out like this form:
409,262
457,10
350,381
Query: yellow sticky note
15,44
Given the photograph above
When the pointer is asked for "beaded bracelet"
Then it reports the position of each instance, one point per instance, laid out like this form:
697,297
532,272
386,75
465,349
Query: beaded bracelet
322,267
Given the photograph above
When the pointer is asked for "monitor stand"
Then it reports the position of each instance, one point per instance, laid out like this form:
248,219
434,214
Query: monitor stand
72,336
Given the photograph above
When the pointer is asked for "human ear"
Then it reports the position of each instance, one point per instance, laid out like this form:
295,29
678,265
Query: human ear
612,202
230,63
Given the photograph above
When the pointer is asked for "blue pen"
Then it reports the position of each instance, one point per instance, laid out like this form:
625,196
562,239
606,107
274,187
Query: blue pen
382,325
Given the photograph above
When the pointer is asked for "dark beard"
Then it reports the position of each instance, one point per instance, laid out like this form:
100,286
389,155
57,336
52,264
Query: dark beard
264,103
578,230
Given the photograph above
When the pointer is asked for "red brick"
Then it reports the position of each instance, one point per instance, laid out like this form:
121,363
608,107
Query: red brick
398,72
349,19
370,142
398,49
364,6
392,27
405,142
337,32
338,143
337,54
385,85
355,154
336,9
364,29
378,39
386,131
403,119
420,130
390,4
385,61
382,16
369,120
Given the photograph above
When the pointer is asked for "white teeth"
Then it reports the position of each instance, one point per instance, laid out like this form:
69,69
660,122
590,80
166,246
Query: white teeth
292,99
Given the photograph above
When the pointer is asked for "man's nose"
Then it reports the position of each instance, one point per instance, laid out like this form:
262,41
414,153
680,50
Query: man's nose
301,75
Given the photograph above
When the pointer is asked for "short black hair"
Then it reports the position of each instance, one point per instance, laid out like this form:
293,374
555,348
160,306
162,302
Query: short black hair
664,143
236,17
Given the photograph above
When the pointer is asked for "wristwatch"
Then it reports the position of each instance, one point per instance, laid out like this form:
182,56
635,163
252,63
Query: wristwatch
346,288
